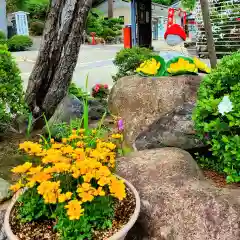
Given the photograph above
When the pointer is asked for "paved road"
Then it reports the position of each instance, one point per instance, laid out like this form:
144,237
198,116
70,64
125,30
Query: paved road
95,61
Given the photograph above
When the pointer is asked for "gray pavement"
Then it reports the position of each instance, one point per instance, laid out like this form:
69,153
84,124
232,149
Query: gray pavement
94,61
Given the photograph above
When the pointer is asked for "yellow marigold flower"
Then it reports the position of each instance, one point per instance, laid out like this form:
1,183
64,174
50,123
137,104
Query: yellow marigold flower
94,131
111,145
56,145
51,140
30,184
73,137
68,195
16,186
99,192
49,170
86,197
34,170
50,191
81,130
64,140
117,136
64,197
40,177
30,147
103,172
117,188
80,144
88,177
62,167
103,181
67,149
22,168
74,209
74,132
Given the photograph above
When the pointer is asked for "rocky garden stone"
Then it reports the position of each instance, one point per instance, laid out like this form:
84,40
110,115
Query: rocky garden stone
172,130
71,108
141,101
4,193
177,202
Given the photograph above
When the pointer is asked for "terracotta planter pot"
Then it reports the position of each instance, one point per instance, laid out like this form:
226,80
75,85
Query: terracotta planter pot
120,235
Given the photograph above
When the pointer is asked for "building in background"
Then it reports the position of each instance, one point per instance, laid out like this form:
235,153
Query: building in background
122,9
3,16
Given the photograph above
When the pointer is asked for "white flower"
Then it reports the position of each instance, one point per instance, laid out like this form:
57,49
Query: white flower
225,106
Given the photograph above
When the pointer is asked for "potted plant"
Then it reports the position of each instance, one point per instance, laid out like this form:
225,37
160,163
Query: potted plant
69,191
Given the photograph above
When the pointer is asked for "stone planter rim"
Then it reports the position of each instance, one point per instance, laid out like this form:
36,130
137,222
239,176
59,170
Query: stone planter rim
120,235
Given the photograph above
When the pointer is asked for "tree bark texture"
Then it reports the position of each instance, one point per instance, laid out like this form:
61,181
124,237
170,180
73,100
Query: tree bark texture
110,8
52,74
208,32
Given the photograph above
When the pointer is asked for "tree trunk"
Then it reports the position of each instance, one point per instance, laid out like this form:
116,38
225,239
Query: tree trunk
51,76
110,8
208,31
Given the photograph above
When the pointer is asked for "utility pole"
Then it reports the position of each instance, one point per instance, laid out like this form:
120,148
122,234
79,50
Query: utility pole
208,32
110,9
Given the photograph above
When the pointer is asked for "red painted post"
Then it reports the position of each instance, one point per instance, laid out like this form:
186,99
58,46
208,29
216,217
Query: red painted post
93,34
127,35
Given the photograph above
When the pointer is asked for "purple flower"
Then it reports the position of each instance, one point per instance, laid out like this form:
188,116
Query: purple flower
120,125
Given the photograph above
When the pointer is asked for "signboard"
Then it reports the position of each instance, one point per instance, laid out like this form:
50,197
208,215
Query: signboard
21,23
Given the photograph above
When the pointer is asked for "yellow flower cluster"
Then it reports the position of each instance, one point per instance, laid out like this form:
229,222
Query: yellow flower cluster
149,67
182,65
69,165
201,65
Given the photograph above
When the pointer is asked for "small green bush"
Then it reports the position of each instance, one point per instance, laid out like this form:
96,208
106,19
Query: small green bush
127,60
37,9
217,117
11,92
2,35
37,27
108,32
77,92
19,43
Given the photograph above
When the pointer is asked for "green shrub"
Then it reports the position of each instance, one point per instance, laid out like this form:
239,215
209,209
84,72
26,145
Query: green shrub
109,39
37,27
3,41
108,32
77,92
94,22
217,117
2,35
11,92
37,9
127,60
19,43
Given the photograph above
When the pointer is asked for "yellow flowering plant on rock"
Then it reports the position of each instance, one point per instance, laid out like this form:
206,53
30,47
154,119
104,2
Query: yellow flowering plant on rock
181,65
152,67
73,183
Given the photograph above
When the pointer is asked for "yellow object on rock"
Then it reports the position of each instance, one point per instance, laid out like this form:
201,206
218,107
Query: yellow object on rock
201,65
182,65
149,67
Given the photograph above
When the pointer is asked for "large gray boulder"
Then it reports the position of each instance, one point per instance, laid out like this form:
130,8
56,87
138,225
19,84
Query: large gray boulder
175,129
177,203
71,108
4,190
140,101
